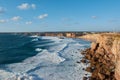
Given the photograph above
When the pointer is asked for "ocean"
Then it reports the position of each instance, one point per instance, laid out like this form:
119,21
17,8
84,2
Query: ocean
34,57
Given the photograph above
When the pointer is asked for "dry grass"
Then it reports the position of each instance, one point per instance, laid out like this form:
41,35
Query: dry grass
114,36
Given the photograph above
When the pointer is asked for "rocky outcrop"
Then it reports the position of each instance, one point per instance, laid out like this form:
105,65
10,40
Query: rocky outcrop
73,35
104,56
101,66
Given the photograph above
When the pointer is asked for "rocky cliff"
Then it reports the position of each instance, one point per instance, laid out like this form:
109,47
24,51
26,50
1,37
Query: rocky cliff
105,50
116,52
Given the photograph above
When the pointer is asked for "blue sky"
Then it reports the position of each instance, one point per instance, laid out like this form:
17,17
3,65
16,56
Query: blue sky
59,15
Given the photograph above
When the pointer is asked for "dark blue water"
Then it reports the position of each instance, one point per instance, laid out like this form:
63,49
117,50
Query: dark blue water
16,48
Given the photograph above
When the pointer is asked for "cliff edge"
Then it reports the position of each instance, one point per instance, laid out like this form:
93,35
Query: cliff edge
105,50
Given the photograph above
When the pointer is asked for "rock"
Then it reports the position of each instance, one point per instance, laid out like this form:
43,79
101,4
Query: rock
84,61
83,68
101,76
101,65
88,69
88,56
94,46
103,57
78,62
85,78
107,73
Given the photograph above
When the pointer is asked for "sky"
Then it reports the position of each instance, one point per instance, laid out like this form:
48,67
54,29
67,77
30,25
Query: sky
59,15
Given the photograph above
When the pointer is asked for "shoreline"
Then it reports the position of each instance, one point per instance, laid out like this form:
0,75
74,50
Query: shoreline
101,67
103,56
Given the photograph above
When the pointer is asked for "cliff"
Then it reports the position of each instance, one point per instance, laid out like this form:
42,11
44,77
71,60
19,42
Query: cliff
116,52
107,45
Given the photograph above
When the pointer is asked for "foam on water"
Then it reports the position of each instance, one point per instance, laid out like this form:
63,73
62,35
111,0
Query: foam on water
56,63
38,49
34,36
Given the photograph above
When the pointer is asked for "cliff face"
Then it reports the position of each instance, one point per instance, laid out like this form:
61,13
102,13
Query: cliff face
116,52
108,44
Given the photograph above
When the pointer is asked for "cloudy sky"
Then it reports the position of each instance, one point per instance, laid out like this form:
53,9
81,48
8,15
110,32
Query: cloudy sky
59,15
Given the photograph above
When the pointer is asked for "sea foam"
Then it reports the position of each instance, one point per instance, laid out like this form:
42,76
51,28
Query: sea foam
55,63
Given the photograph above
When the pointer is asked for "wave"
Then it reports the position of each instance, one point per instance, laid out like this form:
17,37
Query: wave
25,47
58,62
38,49
34,36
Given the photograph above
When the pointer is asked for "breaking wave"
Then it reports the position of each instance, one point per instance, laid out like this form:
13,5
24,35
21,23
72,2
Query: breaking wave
55,59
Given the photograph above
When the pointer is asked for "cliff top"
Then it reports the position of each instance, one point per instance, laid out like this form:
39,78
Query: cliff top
111,34
95,37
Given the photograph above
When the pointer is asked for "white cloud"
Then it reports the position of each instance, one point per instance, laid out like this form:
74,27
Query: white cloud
25,6
28,22
33,6
3,21
94,17
2,10
16,18
42,16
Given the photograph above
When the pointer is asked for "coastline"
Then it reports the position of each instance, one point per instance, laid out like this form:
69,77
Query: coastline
101,66
103,56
